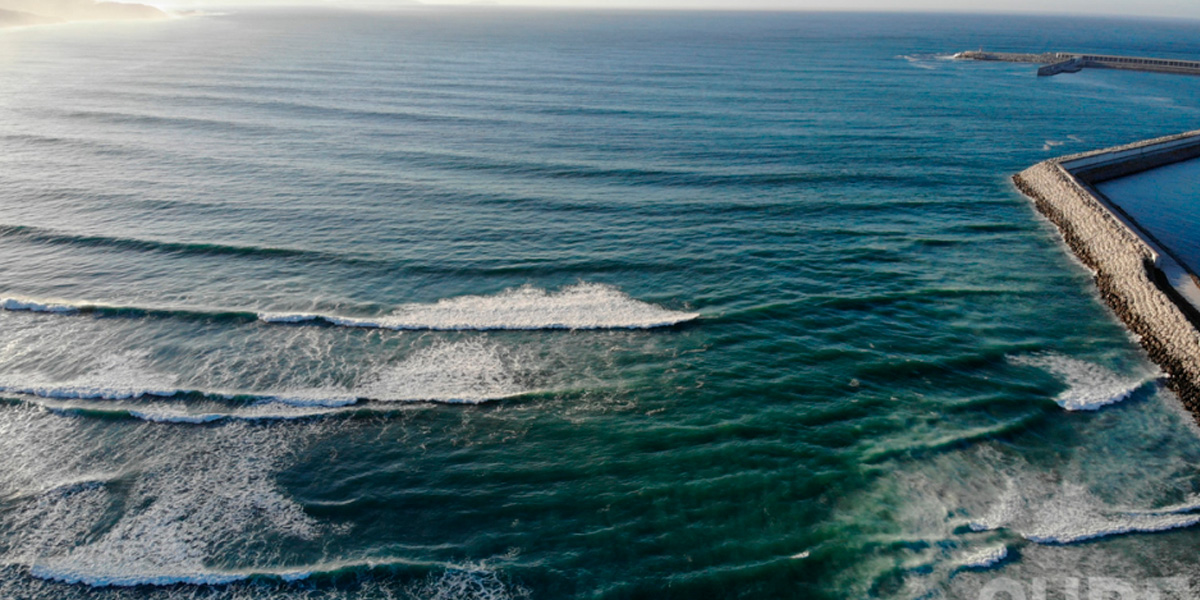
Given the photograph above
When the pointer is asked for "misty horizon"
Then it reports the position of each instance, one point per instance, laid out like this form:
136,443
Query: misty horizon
35,12
1153,8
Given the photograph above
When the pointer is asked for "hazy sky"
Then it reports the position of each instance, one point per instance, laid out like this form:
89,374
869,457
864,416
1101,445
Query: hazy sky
1149,8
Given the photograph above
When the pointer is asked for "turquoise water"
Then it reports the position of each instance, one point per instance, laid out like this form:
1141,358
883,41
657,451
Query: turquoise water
484,304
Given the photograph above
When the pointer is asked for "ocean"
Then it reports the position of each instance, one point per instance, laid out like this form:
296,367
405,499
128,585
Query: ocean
483,303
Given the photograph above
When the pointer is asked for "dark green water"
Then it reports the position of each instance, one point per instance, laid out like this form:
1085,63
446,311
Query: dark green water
455,304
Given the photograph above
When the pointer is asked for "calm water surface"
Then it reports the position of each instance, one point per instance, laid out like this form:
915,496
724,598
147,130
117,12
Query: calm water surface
1163,201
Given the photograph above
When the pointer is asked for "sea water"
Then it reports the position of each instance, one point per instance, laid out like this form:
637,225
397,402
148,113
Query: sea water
448,303
1163,203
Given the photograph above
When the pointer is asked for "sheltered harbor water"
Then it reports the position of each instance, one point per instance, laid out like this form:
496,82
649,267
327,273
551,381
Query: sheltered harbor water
1140,276
1163,202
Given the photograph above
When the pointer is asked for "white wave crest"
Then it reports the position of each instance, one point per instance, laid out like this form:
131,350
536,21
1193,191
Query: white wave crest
17,304
921,62
113,391
468,372
984,559
307,398
116,377
1089,386
176,417
580,306
265,408
126,376
1070,513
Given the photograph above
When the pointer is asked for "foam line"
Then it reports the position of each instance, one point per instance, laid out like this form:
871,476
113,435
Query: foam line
182,416
260,407
467,372
984,559
580,306
194,495
1089,386
16,304
86,392
1070,514
102,392
450,577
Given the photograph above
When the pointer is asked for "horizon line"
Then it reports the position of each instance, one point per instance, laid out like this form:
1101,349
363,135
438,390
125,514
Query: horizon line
469,5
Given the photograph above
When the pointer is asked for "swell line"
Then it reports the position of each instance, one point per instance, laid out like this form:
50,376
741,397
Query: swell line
38,234
580,265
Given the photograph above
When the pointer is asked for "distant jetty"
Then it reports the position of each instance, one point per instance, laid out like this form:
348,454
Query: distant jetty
1137,277
1069,62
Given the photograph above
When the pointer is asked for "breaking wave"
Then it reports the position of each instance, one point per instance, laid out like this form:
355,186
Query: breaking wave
103,577
1089,386
466,372
191,497
580,306
1069,513
449,583
16,304
983,559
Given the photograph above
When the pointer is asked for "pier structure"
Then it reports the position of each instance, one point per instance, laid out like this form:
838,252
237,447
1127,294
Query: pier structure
1071,62
1148,289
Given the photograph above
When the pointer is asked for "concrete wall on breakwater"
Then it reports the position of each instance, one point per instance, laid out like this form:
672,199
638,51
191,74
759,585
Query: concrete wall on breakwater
1105,165
1137,63
1071,65
1072,62
1136,276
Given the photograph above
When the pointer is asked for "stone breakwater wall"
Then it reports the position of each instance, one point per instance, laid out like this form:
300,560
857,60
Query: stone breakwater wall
1123,260
1073,62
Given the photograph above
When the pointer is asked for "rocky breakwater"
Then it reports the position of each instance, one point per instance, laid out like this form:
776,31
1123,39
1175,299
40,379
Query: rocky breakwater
1017,57
1124,266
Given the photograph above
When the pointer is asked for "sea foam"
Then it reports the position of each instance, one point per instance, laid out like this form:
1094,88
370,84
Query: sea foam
465,372
1070,513
1089,386
193,495
983,559
468,372
116,377
468,583
580,306
199,509
18,304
